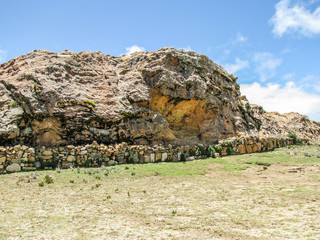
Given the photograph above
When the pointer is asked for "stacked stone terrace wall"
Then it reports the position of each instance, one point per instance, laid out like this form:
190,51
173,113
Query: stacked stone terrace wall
24,158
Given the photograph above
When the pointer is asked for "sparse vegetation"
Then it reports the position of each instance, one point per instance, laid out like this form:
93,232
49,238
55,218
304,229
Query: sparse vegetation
13,105
211,152
229,148
259,162
170,198
218,149
48,179
294,137
90,103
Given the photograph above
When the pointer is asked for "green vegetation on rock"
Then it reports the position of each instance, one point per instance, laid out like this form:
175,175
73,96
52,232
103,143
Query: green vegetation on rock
90,102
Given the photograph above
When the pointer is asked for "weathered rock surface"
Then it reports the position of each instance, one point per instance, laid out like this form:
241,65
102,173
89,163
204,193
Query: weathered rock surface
276,124
15,167
164,96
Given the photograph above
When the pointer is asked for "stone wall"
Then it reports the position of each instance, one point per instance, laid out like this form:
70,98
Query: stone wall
24,158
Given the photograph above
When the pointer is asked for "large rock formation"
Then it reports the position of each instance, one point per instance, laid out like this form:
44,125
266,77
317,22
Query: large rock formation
276,124
166,96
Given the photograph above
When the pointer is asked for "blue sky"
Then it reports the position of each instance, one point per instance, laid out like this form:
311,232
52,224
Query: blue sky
273,46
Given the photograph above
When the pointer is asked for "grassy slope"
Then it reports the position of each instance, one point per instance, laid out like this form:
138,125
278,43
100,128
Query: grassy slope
274,195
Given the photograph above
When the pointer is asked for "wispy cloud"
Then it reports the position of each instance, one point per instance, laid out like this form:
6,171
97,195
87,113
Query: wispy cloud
230,44
288,76
289,98
240,38
311,83
295,19
237,66
133,49
266,64
188,48
3,56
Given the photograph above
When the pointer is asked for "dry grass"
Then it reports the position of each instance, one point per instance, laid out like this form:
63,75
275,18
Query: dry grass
258,196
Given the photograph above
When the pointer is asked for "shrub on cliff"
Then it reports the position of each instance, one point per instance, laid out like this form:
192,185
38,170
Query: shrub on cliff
294,137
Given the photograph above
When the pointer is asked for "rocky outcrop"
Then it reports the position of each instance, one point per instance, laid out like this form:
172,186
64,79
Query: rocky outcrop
166,96
276,124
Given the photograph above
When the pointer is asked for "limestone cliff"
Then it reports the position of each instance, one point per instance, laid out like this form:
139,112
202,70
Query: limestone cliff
164,96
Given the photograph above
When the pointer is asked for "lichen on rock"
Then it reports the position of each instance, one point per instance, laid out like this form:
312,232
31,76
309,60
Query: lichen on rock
166,96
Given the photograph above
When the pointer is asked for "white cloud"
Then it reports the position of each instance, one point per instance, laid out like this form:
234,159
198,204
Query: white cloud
3,56
295,19
266,64
289,98
133,49
237,66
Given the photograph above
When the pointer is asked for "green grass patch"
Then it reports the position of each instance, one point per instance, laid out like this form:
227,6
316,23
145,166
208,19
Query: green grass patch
163,169
258,162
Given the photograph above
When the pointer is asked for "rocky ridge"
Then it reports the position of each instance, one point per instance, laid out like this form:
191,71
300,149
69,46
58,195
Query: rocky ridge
276,124
166,96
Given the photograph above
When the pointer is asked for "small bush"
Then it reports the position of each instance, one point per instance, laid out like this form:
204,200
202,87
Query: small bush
218,149
41,184
182,157
202,150
211,152
192,153
294,137
48,179
229,150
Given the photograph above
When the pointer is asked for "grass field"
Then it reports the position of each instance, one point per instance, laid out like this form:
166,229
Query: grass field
273,195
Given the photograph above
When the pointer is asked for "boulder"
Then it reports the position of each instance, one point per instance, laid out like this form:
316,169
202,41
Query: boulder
15,167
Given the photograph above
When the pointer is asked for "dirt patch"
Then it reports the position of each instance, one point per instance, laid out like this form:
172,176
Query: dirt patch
144,202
